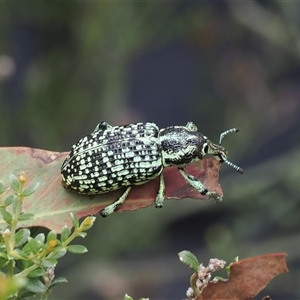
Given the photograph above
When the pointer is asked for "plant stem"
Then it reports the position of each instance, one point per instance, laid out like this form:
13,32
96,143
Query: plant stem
14,222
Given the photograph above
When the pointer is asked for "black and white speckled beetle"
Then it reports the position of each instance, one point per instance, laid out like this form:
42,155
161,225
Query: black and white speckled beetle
121,156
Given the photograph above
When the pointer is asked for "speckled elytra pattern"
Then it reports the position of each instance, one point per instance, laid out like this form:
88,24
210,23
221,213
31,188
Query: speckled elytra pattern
113,157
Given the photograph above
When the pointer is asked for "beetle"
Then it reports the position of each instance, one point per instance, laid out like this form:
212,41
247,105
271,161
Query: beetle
112,157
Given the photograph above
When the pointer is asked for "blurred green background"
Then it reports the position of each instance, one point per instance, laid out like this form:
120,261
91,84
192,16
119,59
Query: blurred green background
66,66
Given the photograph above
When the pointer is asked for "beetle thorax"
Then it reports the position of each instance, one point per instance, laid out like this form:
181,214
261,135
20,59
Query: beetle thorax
180,146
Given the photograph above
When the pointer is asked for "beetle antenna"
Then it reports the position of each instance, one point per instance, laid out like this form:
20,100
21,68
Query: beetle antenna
240,170
222,135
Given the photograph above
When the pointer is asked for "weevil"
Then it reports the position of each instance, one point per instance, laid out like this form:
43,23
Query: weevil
112,157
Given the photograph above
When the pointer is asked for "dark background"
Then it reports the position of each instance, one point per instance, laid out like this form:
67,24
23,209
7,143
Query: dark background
66,66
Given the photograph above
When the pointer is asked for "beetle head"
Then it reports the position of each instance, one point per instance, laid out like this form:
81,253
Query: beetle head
219,152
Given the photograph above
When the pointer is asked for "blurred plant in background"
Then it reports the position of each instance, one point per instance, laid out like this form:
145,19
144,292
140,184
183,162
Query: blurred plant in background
64,67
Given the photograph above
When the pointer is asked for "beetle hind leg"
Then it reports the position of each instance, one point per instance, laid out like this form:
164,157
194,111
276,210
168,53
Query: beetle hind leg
199,186
109,209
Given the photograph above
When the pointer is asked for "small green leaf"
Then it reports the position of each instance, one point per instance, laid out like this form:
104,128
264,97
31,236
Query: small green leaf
58,252
10,199
27,294
36,286
75,221
15,183
81,234
33,246
49,262
30,189
2,250
21,237
2,247
25,264
51,236
36,273
58,280
26,217
77,249
2,187
40,238
3,262
127,297
15,202
189,259
7,217
65,233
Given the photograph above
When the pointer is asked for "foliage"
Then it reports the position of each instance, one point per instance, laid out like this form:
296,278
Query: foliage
27,262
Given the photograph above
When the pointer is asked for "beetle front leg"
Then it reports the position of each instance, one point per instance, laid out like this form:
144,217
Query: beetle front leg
160,196
109,209
199,186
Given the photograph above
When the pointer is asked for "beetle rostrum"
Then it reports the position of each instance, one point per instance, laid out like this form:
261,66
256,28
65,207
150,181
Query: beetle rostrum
112,157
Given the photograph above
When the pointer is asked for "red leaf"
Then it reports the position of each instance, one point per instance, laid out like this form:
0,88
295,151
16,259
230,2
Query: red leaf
51,203
247,278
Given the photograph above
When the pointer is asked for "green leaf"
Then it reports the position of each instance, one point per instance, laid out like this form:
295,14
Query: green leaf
127,297
15,201
81,234
3,262
77,249
33,246
2,187
10,199
58,252
25,264
58,280
3,251
26,217
27,294
2,247
30,189
36,286
15,183
36,273
189,259
21,237
65,233
40,238
75,221
7,217
49,262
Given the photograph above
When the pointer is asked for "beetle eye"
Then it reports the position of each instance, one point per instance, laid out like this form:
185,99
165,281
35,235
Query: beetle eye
205,149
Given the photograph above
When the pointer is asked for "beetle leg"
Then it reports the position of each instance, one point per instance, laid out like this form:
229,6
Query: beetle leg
199,186
160,196
109,209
